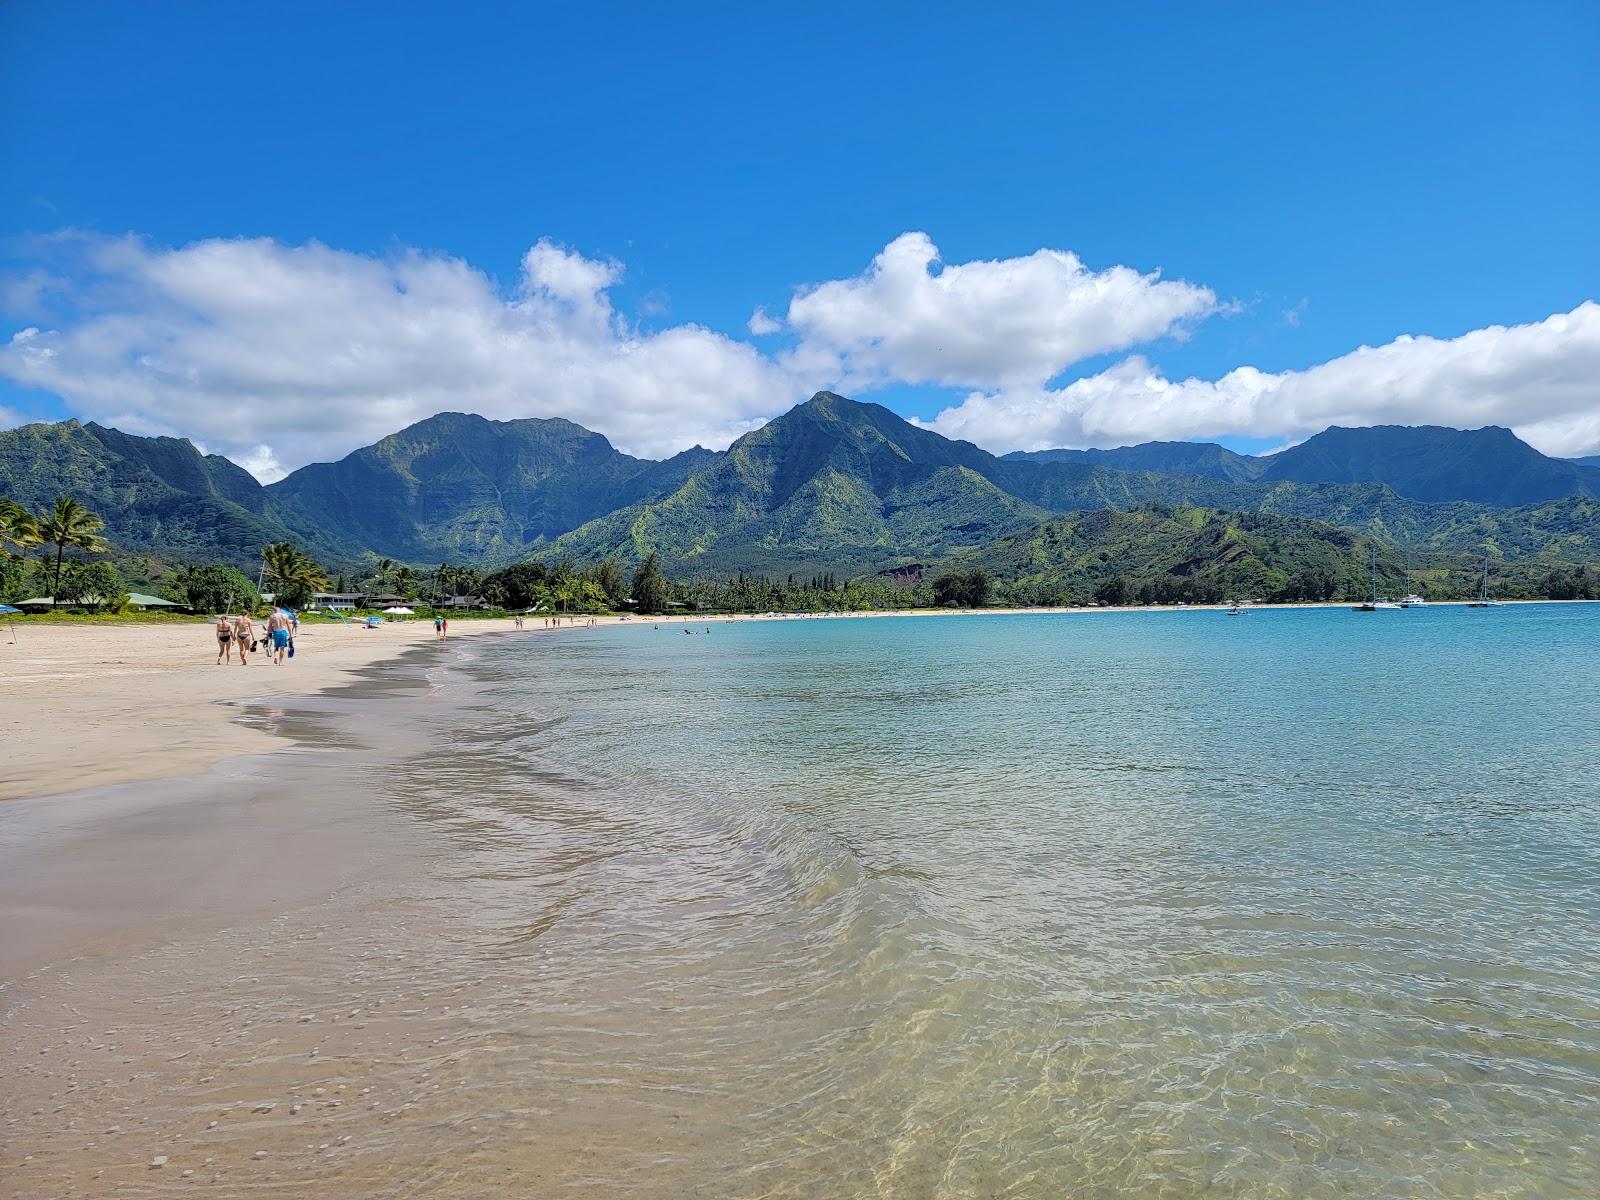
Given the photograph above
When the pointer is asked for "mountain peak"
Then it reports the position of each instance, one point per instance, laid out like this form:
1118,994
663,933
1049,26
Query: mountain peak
826,399
1489,465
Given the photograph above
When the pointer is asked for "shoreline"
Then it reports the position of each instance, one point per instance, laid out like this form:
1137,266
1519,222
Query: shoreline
92,706
362,957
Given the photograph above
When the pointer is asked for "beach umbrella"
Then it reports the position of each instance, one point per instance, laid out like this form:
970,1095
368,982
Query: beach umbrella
399,611
8,611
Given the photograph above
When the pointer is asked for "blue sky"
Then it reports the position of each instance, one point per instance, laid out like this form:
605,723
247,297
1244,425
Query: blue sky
1335,176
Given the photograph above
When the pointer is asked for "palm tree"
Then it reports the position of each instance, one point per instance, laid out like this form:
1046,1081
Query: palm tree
294,575
17,526
383,570
404,580
69,523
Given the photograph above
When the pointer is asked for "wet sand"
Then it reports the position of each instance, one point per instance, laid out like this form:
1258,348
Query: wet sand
279,977
176,958
84,706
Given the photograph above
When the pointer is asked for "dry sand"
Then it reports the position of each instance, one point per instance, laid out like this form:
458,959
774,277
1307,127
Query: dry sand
87,705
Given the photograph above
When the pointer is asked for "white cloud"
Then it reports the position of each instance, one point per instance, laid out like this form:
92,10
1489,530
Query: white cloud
263,464
1541,379
987,324
278,355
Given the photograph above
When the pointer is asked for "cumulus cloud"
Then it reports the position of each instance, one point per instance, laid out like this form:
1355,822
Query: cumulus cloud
278,355
1540,379
987,324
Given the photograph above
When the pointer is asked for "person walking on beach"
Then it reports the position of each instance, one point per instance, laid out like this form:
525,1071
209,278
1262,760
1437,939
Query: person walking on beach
244,634
224,638
438,628
278,631
444,628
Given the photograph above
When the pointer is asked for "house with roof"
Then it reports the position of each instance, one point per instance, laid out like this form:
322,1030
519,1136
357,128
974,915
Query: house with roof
335,601
138,600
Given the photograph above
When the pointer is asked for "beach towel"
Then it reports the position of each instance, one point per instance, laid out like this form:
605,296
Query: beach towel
291,647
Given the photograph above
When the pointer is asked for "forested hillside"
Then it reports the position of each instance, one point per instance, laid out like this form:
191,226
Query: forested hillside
833,485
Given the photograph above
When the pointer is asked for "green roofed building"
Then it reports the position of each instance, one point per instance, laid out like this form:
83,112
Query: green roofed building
135,600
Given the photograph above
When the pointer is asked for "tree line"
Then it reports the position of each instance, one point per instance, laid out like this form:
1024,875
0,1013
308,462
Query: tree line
62,526
69,534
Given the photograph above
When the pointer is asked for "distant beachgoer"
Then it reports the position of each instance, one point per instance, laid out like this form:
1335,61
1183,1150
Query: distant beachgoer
244,635
278,631
444,627
224,638
438,628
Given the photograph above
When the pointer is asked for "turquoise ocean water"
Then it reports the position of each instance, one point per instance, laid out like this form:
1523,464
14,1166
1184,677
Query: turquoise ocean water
1305,903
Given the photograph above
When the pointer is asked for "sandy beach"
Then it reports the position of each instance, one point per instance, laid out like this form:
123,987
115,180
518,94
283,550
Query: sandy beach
89,705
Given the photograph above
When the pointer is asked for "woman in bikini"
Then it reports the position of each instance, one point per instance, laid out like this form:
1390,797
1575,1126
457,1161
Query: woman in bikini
244,632
224,638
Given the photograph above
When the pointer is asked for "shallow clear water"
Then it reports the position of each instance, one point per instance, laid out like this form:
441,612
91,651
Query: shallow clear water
1298,904
1302,904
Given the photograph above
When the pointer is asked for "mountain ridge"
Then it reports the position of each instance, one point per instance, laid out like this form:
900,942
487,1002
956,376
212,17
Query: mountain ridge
1435,463
833,484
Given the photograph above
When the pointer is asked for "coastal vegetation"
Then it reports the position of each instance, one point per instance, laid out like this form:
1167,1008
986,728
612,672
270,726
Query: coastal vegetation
65,524
69,523
293,574
1155,554
833,505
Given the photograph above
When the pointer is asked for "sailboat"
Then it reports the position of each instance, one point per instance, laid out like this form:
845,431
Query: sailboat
1483,600
1374,604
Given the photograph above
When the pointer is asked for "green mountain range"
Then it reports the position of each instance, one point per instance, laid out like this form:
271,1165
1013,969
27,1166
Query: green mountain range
1421,462
1426,462
833,485
462,487
1168,553
154,493
1162,458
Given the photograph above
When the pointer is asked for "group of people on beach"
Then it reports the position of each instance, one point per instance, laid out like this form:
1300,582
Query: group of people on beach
517,622
238,634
